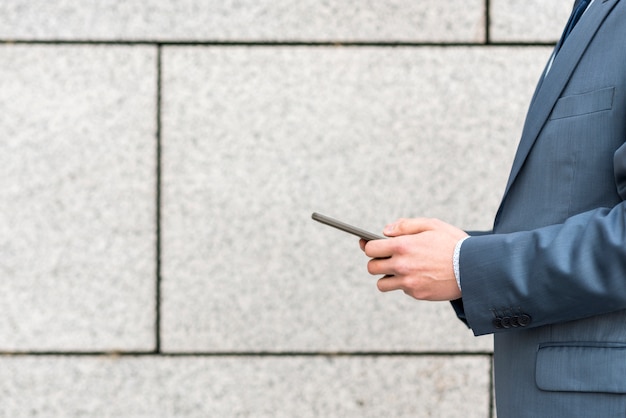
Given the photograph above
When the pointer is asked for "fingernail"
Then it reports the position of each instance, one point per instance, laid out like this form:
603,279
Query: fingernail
389,228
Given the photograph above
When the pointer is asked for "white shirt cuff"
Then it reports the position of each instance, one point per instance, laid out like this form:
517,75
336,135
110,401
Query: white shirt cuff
455,261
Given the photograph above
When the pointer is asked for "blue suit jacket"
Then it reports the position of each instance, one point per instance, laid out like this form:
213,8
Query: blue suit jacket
550,280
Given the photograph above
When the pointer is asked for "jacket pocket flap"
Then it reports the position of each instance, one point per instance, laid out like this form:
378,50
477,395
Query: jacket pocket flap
582,104
582,367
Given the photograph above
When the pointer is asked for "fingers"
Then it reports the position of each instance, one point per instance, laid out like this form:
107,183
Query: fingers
378,266
388,283
380,248
417,289
417,258
364,244
434,290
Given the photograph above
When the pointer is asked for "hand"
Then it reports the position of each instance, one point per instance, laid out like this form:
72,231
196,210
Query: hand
416,259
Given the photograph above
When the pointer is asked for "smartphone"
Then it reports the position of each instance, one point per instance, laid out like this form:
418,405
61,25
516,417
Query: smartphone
327,220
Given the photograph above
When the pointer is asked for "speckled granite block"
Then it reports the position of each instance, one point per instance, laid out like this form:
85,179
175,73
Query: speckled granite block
528,20
77,179
245,20
276,387
255,139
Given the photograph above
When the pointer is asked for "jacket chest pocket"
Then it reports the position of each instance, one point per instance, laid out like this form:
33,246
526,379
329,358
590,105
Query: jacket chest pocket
583,104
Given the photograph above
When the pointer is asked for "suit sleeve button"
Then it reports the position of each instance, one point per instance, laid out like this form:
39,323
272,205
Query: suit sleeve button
497,323
524,320
506,322
515,321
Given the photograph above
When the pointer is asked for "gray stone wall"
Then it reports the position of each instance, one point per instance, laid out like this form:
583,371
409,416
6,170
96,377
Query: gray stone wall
159,162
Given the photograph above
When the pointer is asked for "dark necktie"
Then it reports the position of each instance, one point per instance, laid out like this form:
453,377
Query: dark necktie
579,8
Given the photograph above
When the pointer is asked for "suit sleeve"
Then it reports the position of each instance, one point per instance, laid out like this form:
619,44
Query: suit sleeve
457,304
549,275
554,274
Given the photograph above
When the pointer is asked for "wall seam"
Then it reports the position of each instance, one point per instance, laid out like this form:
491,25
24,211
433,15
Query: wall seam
159,160
488,22
159,44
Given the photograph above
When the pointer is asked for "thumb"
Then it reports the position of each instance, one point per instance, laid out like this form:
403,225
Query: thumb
409,226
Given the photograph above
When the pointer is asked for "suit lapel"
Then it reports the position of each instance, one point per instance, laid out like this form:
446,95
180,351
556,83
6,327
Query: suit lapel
550,87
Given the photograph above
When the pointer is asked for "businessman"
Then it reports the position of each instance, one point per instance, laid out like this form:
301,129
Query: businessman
549,281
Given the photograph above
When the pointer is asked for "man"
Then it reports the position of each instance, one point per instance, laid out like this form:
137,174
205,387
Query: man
550,279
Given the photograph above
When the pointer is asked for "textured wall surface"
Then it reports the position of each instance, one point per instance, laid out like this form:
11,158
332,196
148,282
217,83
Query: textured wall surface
159,162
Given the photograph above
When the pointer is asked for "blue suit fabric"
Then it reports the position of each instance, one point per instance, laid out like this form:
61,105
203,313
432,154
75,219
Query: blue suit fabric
550,280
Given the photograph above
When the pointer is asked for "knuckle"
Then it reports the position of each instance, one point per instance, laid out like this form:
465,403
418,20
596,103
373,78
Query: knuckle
416,288
401,224
420,292
402,269
434,222
401,245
